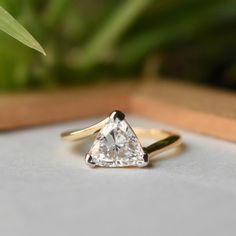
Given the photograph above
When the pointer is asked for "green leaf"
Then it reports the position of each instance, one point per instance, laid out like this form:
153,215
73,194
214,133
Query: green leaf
10,26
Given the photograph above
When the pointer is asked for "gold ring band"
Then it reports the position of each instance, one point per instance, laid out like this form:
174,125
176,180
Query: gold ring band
165,139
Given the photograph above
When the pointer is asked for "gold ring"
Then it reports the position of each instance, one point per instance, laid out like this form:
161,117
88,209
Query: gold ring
116,143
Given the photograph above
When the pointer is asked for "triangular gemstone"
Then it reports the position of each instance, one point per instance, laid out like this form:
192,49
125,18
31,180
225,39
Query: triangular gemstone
116,145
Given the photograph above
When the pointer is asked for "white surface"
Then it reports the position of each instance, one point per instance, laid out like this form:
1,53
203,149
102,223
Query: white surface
46,188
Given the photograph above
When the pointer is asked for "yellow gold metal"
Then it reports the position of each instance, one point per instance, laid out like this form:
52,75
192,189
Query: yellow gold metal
165,140
83,133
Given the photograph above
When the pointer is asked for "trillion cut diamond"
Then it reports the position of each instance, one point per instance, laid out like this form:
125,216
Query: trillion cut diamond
116,145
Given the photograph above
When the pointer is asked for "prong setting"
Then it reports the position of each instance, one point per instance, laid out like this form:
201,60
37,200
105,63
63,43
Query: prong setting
89,161
117,115
145,161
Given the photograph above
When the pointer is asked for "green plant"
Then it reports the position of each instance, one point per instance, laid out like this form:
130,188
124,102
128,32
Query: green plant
10,26
88,40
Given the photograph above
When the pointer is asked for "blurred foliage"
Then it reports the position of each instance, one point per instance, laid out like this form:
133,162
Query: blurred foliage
89,40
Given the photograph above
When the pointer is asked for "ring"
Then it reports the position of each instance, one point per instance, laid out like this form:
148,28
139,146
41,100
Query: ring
116,143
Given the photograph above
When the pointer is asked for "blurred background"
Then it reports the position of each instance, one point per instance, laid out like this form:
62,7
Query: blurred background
90,41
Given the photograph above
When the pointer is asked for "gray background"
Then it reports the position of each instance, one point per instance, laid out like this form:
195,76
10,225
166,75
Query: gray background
46,188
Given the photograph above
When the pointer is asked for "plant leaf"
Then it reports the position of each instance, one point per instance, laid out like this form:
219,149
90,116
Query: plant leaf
10,26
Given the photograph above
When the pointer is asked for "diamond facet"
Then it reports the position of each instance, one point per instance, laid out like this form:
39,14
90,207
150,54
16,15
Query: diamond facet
116,145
